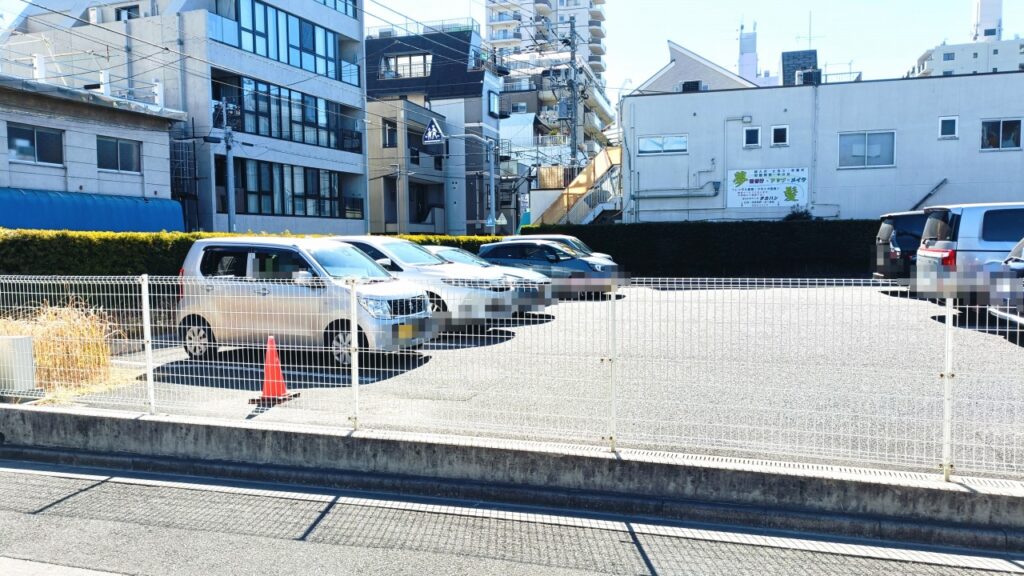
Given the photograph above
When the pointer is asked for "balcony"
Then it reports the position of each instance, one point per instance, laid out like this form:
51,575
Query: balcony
597,64
518,85
503,3
596,46
547,91
506,38
596,29
542,7
591,124
499,20
597,11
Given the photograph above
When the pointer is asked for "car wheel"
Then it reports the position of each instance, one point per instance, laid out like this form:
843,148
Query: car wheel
198,339
339,341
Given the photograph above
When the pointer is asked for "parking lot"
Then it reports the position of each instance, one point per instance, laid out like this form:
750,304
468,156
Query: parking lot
813,371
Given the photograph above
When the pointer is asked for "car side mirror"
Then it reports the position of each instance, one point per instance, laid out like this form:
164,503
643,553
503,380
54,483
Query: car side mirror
552,258
305,278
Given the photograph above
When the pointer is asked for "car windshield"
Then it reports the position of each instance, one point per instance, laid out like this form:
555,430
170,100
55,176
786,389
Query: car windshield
347,262
412,254
564,252
460,256
579,245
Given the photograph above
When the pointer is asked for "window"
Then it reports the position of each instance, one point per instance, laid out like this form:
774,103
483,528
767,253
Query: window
663,144
948,57
975,54
867,149
414,156
494,104
1000,134
275,189
947,72
406,66
31,144
224,262
1003,226
116,154
278,112
438,163
949,127
390,134
990,31
780,135
995,51
272,33
126,13
271,264
752,137
519,107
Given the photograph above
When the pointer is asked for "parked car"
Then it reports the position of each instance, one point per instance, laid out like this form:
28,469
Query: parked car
239,291
1008,305
896,244
460,296
532,289
571,272
570,241
962,245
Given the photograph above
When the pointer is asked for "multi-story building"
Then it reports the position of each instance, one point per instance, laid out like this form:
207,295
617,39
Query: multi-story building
537,39
987,52
447,69
80,160
410,182
283,75
844,150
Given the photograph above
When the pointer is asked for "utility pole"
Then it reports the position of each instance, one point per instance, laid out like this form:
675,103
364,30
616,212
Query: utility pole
573,104
229,159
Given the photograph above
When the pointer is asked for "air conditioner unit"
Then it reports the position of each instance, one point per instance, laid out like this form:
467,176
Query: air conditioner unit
95,16
386,33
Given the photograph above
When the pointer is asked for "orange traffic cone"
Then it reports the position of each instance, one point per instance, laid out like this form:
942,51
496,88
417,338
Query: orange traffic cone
275,391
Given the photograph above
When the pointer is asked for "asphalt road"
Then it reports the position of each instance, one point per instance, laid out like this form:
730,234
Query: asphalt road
64,520
800,372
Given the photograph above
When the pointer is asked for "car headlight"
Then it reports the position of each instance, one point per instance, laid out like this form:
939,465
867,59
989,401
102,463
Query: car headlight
376,307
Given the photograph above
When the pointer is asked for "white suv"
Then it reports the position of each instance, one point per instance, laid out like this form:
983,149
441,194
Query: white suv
239,291
460,295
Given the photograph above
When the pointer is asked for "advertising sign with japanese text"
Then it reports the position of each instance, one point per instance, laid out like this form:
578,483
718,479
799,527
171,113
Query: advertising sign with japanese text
767,188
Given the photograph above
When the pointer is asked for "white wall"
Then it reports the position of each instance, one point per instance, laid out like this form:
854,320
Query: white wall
454,112
681,186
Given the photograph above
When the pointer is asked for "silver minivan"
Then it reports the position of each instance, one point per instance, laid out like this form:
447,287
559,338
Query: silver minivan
962,245
238,291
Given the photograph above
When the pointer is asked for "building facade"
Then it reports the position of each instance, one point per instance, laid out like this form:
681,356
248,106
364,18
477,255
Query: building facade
283,75
987,51
525,26
848,150
83,161
449,70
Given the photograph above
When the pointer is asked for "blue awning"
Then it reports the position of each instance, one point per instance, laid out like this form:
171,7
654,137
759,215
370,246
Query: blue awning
46,210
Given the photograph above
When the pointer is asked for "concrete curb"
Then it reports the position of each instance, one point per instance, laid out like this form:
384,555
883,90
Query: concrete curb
850,502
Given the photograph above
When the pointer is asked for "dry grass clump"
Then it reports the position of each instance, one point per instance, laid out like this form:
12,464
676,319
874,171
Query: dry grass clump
69,343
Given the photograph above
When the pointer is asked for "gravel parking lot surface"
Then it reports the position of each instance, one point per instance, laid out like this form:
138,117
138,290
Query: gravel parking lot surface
816,371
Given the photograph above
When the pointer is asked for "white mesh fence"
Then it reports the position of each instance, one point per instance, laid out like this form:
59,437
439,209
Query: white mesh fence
829,371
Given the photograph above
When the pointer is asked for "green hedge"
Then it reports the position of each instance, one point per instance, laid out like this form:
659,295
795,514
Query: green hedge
49,252
815,248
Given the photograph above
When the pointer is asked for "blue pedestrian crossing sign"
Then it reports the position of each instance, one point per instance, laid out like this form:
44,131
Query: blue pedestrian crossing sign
433,134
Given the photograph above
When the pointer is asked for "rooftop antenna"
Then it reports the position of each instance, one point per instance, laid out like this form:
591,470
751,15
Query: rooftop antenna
810,31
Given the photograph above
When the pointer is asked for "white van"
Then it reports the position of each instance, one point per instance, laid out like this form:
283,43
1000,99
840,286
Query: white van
238,291
962,245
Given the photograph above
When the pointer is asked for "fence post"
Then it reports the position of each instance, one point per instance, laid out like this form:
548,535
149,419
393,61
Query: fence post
613,355
147,342
947,397
353,325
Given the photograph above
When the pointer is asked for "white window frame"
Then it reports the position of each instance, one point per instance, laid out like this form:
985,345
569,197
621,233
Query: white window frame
662,137
747,129
780,144
866,133
956,128
1001,148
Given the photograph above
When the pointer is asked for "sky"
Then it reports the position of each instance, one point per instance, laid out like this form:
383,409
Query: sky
882,38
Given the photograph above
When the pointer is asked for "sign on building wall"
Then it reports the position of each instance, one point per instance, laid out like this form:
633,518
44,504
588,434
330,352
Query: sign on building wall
767,188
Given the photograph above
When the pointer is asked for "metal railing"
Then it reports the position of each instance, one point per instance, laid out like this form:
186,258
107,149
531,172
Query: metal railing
849,372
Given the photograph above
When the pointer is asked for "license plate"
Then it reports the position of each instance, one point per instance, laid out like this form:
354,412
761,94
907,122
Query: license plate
405,331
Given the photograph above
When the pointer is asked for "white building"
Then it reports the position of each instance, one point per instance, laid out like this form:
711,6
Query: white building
524,26
289,72
849,150
988,52
749,65
84,161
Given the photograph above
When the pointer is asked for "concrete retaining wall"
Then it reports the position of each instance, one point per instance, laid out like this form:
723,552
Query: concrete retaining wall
848,501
